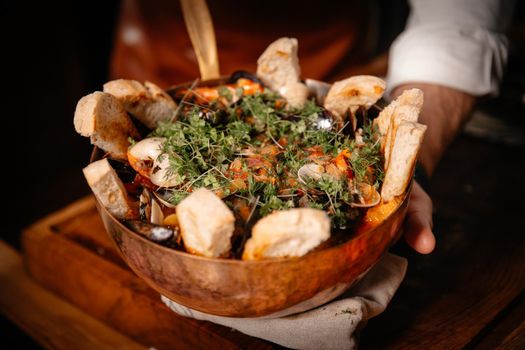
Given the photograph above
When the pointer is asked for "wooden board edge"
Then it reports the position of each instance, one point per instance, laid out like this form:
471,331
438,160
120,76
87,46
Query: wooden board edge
49,320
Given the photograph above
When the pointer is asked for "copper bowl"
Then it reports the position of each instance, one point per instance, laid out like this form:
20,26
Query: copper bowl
238,288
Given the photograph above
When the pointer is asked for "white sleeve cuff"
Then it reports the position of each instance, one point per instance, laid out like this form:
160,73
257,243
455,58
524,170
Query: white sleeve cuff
465,57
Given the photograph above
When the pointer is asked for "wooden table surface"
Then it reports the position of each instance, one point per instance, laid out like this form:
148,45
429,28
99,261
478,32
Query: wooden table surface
469,293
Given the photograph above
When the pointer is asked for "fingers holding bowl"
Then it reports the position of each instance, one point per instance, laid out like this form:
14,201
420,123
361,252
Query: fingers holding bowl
418,222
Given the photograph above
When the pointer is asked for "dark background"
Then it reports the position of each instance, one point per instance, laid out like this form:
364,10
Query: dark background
53,54
56,52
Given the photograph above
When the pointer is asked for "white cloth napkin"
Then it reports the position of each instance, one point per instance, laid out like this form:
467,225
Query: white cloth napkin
333,325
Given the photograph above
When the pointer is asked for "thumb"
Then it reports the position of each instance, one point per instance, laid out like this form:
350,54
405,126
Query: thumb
418,222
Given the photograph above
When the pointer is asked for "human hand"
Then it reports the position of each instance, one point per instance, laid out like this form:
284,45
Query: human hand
418,222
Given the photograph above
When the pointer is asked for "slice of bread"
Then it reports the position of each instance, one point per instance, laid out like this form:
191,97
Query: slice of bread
101,117
349,94
148,103
406,143
296,94
108,188
413,97
278,65
287,233
409,113
206,224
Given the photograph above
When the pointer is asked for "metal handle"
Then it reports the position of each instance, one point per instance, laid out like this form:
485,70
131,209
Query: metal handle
200,28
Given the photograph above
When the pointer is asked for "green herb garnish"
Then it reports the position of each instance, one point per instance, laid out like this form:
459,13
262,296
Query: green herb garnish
255,156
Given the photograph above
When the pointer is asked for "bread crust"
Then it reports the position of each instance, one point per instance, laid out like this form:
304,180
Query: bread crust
383,122
148,103
108,188
278,68
402,112
346,96
296,94
101,117
287,233
278,65
206,224
408,139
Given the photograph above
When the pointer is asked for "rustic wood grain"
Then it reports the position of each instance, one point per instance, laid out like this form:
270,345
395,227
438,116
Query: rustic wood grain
456,294
515,340
70,254
54,323
507,328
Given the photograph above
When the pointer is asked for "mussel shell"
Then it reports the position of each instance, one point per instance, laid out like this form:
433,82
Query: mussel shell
310,171
155,233
178,92
145,205
292,117
319,89
368,197
163,197
124,171
243,74
214,117
325,121
157,216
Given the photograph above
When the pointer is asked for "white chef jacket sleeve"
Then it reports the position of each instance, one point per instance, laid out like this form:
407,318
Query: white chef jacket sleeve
455,43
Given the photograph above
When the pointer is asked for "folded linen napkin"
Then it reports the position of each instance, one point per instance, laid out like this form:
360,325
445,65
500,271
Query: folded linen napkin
333,325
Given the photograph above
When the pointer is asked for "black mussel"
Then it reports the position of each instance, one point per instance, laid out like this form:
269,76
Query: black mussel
365,116
325,121
124,171
243,74
214,117
292,117
177,92
145,205
376,108
155,233
346,222
362,117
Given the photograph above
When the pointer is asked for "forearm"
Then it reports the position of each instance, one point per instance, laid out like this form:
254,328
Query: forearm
452,53
445,110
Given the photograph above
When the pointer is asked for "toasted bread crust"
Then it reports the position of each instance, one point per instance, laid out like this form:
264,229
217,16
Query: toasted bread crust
206,224
409,113
108,188
412,97
101,117
296,94
349,94
148,103
278,68
278,65
407,141
287,233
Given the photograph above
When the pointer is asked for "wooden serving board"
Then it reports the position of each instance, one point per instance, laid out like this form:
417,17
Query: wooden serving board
70,254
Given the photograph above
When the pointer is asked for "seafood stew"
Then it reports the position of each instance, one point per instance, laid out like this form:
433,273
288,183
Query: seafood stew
254,166
241,142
